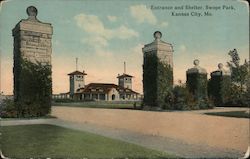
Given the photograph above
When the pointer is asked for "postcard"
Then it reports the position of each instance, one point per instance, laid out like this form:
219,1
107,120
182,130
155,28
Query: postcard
124,79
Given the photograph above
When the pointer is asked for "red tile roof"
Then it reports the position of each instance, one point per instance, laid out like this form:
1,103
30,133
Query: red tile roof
104,88
124,75
77,73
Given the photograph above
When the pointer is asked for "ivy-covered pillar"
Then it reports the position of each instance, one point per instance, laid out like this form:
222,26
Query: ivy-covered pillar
32,65
197,82
157,73
219,86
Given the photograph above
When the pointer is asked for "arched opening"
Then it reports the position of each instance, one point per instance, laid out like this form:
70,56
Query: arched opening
113,97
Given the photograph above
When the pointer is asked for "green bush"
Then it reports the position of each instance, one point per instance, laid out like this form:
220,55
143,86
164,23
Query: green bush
8,109
184,100
64,100
180,97
35,90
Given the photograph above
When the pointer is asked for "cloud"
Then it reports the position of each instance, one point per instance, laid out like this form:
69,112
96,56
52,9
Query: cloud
142,14
103,53
95,40
98,33
182,48
93,25
164,24
112,18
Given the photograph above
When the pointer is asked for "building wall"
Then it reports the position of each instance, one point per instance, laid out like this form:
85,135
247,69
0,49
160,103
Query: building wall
128,82
125,82
71,85
114,92
79,82
165,54
76,82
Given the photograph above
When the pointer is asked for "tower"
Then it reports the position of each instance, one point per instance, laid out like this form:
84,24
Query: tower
125,80
76,81
32,42
157,72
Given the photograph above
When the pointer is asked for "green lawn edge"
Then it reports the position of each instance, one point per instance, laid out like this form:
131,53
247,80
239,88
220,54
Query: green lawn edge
235,114
43,141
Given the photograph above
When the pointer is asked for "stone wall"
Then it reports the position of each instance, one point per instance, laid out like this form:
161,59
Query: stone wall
33,43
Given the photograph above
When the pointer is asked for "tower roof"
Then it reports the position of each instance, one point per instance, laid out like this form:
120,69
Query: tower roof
123,75
77,73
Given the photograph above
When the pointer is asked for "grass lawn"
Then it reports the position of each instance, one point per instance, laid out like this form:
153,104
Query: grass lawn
237,114
40,141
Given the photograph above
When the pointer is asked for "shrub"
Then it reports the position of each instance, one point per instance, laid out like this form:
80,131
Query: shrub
184,100
64,100
8,109
180,97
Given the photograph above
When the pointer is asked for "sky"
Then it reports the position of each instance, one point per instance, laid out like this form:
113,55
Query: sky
103,34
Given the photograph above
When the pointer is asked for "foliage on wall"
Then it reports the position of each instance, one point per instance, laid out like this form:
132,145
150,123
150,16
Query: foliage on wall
164,85
197,85
219,89
150,79
34,97
157,82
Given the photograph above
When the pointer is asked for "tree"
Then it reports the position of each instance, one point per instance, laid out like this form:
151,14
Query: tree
239,76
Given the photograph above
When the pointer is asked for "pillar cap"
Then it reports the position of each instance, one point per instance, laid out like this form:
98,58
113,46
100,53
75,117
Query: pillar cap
196,68
220,71
32,12
157,35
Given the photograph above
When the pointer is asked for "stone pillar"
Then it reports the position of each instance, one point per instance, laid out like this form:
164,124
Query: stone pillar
157,72
219,86
32,42
197,81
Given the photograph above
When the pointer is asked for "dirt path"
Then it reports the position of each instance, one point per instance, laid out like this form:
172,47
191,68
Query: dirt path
188,134
171,146
218,133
